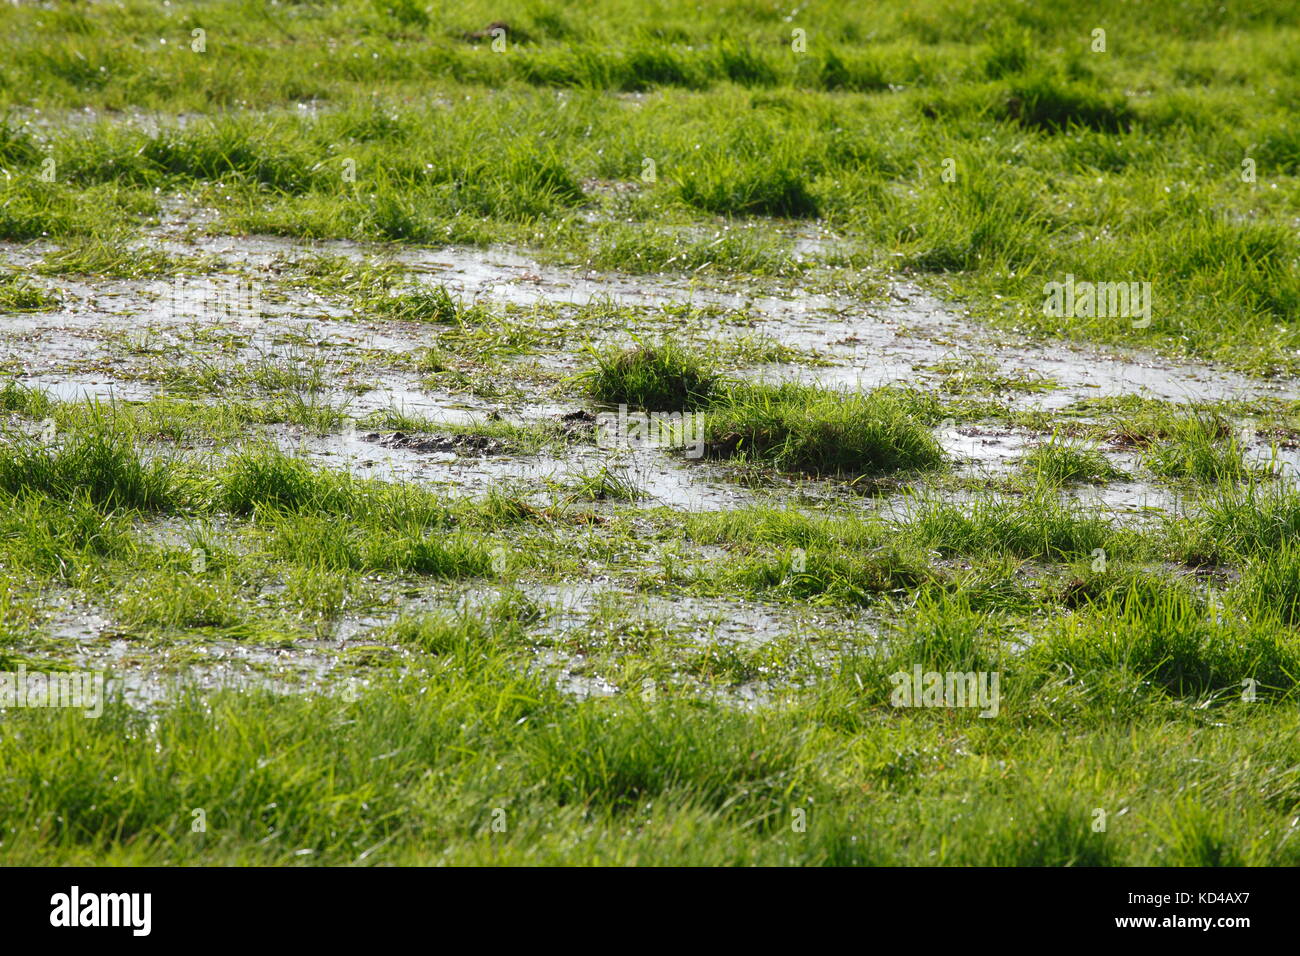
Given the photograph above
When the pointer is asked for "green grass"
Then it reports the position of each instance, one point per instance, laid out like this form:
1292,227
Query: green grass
474,731
831,576
380,290
521,657
465,632
23,400
737,127
1047,103
1170,642
186,604
658,376
414,547
1270,587
31,209
100,462
1245,521
1062,460
19,294
60,540
967,375
1036,526
606,484
111,256
723,784
1199,449
805,429
745,179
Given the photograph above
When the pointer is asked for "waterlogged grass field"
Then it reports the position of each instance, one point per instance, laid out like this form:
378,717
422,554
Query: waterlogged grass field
651,432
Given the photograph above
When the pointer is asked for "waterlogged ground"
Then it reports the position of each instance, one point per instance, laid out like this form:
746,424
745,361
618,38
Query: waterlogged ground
315,335
252,320
259,386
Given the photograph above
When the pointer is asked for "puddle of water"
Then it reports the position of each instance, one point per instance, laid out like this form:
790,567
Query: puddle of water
80,389
663,479
148,673
1275,460
1126,500
891,344
868,343
988,451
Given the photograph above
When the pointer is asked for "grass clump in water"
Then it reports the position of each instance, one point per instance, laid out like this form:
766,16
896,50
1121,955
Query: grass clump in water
1170,641
26,401
659,376
1243,522
97,459
1037,526
1061,461
801,428
606,484
18,294
172,603
269,479
1198,448
267,482
827,576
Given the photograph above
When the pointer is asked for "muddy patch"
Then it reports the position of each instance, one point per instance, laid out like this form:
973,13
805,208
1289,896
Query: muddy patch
469,445
555,472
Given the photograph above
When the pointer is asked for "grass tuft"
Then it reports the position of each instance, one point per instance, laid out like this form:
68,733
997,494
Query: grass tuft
801,428
658,376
